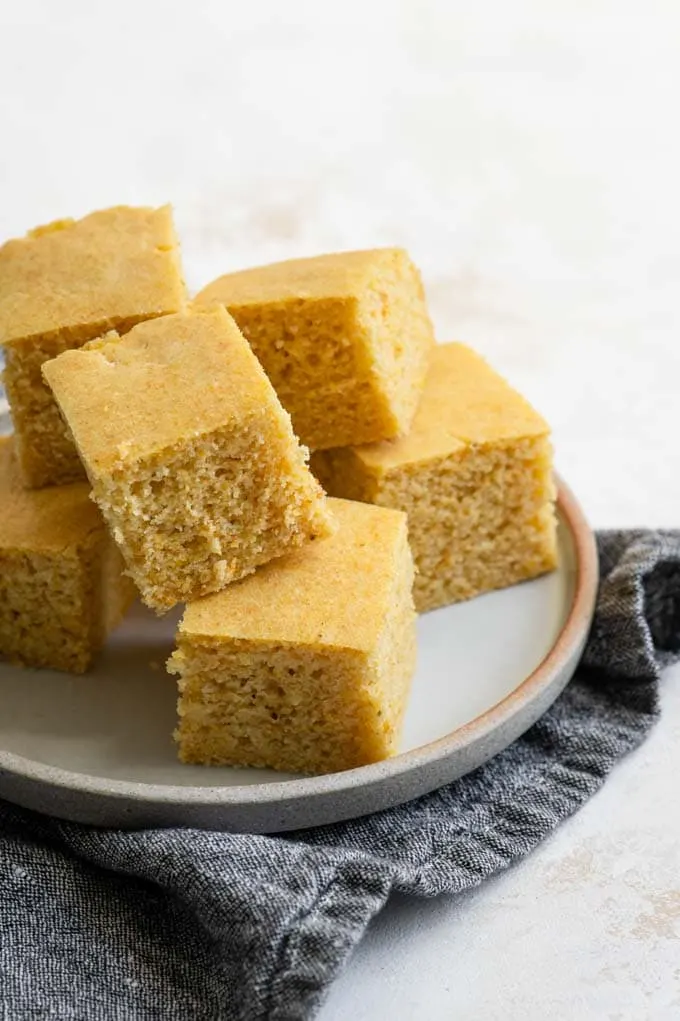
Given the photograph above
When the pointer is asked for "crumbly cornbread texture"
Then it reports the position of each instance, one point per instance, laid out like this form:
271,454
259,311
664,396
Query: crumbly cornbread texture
192,459
62,587
345,340
306,665
474,476
65,284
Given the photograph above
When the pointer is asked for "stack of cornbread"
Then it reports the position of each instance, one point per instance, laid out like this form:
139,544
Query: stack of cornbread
160,447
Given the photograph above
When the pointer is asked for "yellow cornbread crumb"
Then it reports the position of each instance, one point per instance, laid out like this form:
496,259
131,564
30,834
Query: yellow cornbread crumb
344,338
306,665
192,459
474,476
62,285
62,587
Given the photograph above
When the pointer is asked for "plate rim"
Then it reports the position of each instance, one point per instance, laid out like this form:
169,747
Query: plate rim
566,646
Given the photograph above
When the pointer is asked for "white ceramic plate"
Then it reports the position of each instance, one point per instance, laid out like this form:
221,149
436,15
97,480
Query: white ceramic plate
98,748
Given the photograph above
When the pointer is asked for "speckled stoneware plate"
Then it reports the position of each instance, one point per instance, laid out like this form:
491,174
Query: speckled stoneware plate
98,749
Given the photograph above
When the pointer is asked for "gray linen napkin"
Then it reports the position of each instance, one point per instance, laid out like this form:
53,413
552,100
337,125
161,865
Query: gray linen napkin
194,926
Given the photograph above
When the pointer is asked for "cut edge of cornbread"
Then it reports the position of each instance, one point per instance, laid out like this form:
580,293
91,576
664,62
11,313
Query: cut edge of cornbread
393,313
498,540
272,517
62,586
304,707
59,608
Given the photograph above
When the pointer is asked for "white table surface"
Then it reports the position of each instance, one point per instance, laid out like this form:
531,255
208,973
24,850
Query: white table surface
528,156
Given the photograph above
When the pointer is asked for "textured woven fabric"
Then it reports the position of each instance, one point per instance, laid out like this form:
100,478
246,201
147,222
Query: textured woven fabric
183,924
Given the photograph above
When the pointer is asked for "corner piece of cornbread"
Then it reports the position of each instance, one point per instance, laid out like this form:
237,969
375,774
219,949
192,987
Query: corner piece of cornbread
306,665
192,459
62,587
345,340
66,284
474,476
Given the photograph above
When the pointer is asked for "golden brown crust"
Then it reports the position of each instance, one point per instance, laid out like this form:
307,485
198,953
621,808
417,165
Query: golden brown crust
83,277
331,593
336,275
465,402
167,380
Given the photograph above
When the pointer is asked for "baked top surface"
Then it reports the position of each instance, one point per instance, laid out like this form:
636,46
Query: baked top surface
167,380
110,266
339,275
334,592
42,520
464,402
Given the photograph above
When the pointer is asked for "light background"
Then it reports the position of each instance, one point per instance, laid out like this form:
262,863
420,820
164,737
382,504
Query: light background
527,154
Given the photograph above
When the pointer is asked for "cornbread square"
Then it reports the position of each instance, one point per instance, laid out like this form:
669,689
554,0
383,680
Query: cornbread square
65,284
306,665
345,340
474,476
62,587
192,459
